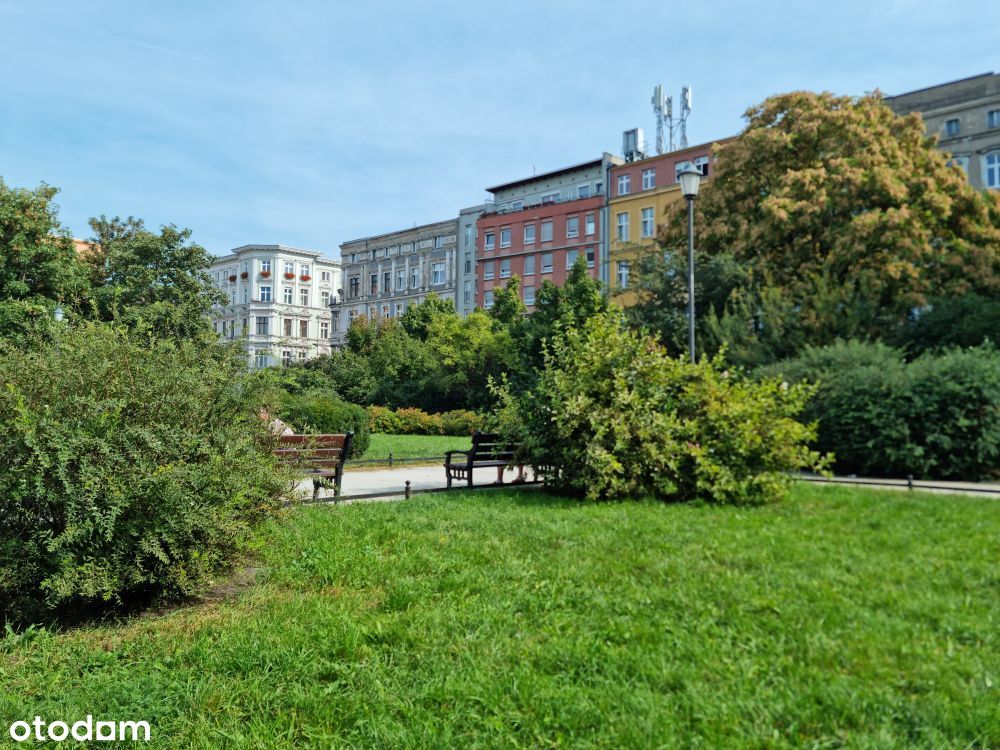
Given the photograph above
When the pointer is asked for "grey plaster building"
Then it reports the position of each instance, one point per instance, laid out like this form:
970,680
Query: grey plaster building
465,292
966,116
385,274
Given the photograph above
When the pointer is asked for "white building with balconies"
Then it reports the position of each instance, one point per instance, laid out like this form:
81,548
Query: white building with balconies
279,297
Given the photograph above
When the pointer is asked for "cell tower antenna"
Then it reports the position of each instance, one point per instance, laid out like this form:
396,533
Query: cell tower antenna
685,111
659,106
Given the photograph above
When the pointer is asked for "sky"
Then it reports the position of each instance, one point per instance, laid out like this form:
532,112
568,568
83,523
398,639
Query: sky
313,123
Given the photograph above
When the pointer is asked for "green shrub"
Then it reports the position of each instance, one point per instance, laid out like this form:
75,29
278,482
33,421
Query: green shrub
131,467
315,412
936,417
383,420
969,320
418,422
614,416
460,422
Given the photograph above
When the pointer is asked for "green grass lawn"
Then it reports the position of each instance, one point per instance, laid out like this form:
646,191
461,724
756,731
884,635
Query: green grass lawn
842,618
413,446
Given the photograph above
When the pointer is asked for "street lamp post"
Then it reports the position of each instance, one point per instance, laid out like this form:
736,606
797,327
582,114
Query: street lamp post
690,180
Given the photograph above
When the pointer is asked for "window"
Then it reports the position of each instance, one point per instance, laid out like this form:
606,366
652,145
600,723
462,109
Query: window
246,323
374,281
505,268
701,164
290,269
467,294
387,282
529,265
624,184
516,205
324,276
961,161
489,240
286,324
265,266
265,294
304,297
590,257
302,355
468,264
354,283
488,299
488,269
588,224
385,311
261,358
647,222
304,269
993,118
287,295
414,276
325,297
583,191
623,226
992,170
303,329
573,226
439,240
437,273
623,274
468,234
951,128
400,279
529,234
263,325
571,256
551,198
324,329
246,295
546,231
648,178
505,237
399,309
529,295
286,357
546,262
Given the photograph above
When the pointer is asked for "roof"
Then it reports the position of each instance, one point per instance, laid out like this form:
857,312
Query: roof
941,85
545,175
376,238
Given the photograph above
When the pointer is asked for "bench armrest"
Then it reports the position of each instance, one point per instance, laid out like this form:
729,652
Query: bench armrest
449,454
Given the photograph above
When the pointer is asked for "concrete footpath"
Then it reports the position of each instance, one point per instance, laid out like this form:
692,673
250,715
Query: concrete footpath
391,483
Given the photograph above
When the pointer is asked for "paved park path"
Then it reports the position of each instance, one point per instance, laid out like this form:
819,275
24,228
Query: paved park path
391,483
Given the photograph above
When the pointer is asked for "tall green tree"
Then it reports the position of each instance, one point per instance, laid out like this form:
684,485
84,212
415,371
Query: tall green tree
847,213
39,267
158,280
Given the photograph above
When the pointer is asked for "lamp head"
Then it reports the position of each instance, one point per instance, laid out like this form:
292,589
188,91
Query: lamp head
690,179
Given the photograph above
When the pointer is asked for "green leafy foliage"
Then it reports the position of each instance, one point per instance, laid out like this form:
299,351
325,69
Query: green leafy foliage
409,421
614,416
317,412
969,320
132,466
935,417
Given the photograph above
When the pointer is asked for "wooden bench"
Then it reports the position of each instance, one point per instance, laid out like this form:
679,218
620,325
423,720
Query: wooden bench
320,457
488,450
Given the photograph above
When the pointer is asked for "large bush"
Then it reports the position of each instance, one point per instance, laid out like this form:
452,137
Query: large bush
131,466
936,417
614,416
316,412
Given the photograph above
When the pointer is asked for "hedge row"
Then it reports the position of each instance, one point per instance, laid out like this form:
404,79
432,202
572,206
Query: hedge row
417,422
935,417
316,412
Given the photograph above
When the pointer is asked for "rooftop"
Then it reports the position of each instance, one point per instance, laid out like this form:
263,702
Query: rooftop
544,175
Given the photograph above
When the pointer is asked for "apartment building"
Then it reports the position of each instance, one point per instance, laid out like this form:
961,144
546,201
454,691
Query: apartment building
465,290
538,226
385,274
966,116
640,195
279,297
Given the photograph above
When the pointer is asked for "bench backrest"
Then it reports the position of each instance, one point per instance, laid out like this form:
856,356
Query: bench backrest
489,446
315,450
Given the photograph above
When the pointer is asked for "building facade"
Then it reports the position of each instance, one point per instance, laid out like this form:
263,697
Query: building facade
465,289
279,297
640,194
538,226
966,116
385,274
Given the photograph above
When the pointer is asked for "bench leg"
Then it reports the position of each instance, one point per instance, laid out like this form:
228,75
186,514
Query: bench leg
469,480
315,489
448,473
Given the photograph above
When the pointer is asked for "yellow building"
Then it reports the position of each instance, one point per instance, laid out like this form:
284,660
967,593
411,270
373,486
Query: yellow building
641,193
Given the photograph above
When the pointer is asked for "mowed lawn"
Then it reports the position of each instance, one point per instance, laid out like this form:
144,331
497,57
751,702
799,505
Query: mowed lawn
842,618
412,446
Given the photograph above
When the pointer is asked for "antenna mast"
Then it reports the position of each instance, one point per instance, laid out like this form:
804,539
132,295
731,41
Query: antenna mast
663,110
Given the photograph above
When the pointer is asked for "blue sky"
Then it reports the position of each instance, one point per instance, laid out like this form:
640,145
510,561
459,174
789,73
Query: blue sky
310,124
